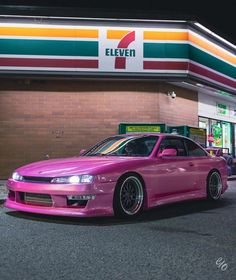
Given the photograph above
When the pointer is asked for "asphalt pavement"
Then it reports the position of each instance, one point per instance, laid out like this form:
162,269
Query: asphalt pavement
188,240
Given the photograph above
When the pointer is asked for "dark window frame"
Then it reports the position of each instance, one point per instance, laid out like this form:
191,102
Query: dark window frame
175,138
186,147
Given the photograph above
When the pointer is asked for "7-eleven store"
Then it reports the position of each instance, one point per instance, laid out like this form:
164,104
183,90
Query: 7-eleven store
67,83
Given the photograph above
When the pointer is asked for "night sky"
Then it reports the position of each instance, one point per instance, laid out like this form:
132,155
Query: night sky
218,16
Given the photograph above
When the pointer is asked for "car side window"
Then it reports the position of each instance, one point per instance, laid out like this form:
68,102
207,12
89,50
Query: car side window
173,143
194,150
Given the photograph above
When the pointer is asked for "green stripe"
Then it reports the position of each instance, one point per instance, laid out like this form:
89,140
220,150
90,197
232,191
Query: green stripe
212,62
163,50
48,47
181,51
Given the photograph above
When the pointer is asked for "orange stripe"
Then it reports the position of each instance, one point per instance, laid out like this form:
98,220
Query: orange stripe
48,32
114,146
212,49
163,35
116,34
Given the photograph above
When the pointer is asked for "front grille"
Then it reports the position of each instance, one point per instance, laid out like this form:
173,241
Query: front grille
36,179
36,199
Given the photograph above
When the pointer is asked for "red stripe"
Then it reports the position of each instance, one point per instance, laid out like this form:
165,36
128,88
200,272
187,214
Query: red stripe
120,62
177,65
126,40
211,75
165,65
43,62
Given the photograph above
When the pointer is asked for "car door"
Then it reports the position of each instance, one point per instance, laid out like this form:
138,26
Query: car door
199,164
174,175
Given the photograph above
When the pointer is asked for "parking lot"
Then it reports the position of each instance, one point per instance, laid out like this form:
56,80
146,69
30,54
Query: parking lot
190,240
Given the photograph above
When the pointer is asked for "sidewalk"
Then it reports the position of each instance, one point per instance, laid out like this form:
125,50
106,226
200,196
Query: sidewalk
231,178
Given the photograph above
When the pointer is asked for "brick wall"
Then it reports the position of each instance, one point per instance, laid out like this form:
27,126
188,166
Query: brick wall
61,117
182,110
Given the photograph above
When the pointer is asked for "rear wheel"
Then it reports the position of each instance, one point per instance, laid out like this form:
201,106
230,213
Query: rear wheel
128,197
214,186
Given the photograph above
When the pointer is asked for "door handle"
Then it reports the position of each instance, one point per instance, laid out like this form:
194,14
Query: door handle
191,163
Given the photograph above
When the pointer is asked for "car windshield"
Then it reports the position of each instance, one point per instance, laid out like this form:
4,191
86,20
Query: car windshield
134,146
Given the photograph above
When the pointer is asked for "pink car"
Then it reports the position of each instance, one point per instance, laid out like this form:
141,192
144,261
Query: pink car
122,175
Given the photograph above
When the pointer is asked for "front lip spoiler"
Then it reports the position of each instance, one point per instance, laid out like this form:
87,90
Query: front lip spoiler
57,211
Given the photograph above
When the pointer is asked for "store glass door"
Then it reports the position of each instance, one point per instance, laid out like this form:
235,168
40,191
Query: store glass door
217,133
226,133
204,123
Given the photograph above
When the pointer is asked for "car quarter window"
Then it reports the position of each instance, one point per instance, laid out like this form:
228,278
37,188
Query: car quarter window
173,143
194,150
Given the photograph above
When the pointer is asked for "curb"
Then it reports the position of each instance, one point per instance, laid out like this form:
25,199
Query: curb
2,201
3,191
231,178
3,197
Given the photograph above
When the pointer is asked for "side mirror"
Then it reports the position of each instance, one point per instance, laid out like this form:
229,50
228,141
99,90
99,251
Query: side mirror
82,152
169,153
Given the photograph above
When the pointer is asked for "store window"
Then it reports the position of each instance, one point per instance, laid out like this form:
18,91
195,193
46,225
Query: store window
219,133
226,132
204,123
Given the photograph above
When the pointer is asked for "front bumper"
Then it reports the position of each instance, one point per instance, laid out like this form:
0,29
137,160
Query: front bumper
100,206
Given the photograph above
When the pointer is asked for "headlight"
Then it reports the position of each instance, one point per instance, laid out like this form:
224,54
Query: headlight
16,176
86,179
76,179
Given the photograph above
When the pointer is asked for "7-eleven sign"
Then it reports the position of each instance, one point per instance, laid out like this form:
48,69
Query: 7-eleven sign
119,48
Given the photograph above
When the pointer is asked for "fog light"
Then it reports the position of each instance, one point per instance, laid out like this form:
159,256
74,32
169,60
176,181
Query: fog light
81,197
11,195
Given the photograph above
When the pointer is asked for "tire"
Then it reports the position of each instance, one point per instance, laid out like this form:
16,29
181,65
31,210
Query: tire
128,198
214,186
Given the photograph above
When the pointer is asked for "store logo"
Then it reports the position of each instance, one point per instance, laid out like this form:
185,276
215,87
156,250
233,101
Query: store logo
122,51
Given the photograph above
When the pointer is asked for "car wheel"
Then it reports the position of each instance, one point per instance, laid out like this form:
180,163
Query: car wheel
214,186
128,197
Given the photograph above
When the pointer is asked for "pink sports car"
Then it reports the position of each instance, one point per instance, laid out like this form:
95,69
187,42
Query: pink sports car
122,175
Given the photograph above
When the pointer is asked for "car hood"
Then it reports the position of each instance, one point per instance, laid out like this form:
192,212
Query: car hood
70,166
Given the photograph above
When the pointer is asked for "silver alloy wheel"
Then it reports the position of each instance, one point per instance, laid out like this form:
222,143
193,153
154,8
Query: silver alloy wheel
215,185
131,195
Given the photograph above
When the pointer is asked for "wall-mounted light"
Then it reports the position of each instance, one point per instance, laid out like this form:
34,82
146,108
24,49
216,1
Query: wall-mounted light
172,94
